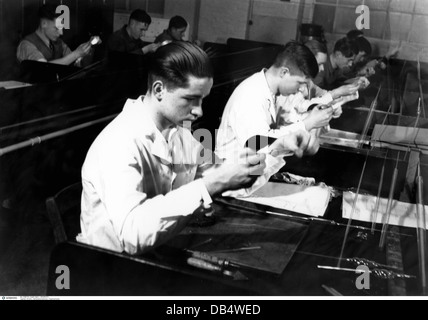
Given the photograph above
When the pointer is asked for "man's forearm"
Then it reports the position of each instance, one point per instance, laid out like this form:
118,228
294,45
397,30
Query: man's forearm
67,60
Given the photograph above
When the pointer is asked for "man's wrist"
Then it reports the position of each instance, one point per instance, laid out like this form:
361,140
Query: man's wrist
75,55
334,94
308,124
213,186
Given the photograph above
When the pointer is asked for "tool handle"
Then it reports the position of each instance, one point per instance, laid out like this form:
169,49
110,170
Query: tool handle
202,264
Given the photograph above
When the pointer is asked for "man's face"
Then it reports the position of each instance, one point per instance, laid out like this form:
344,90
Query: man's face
51,30
178,34
321,59
137,29
360,57
342,61
185,104
291,84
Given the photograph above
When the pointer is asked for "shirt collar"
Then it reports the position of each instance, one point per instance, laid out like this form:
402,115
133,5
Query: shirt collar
148,131
267,92
126,34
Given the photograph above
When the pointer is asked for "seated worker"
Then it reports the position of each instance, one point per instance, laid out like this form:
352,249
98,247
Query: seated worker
175,32
342,57
364,64
128,39
294,107
364,46
143,176
45,44
362,57
252,108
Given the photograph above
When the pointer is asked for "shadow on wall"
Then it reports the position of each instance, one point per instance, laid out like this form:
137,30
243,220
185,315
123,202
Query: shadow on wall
9,66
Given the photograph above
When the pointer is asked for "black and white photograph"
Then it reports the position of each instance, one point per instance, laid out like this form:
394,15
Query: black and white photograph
209,156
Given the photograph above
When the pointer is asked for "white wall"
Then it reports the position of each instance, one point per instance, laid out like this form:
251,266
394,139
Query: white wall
223,19
185,8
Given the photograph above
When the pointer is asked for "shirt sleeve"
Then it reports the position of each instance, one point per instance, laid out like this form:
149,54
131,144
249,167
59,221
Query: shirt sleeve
248,117
28,51
284,130
65,49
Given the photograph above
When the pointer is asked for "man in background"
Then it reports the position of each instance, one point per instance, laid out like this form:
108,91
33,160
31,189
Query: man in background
253,109
128,38
175,32
341,59
46,45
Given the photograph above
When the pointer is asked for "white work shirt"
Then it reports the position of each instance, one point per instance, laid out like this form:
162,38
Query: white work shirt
294,107
138,189
250,111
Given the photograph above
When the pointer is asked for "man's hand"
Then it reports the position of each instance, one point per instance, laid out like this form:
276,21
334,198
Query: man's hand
151,48
314,144
367,71
295,142
345,90
235,175
318,118
83,50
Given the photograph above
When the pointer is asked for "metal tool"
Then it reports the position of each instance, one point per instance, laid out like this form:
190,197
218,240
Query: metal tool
355,261
421,229
206,262
352,212
236,249
205,265
378,273
389,205
379,191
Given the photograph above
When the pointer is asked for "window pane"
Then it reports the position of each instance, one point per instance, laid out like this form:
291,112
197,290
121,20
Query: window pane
120,4
137,4
156,6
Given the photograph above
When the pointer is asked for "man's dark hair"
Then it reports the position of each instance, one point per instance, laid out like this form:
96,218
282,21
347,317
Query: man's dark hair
48,12
315,46
347,47
298,59
354,34
363,45
175,62
177,22
140,16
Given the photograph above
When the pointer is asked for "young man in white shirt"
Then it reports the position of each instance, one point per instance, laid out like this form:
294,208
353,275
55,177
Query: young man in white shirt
145,174
295,107
252,108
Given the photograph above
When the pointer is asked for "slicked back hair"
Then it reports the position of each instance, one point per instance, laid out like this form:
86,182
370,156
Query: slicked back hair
140,16
363,45
177,22
347,47
298,59
48,12
354,34
175,62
